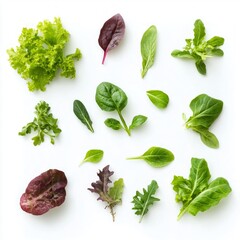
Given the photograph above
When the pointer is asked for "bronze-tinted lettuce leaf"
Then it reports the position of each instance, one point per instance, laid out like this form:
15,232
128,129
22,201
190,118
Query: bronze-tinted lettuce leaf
44,192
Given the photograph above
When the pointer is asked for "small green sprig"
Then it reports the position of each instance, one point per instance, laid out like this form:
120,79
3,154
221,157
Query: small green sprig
199,49
44,124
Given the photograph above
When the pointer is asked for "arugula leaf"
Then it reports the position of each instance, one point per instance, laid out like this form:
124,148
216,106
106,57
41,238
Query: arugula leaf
196,193
44,124
156,157
142,201
112,196
93,156
205,111
199,49
158,98
82,114
41,54
110,97
148,48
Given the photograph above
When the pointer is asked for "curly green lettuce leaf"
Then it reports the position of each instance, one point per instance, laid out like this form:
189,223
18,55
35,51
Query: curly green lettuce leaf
40,54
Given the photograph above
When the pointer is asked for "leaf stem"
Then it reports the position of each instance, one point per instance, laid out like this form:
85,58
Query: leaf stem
124,123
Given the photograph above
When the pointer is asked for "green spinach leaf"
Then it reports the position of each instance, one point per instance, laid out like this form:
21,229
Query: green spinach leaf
148,48
82,114
110,97
158,98
196,193
156,157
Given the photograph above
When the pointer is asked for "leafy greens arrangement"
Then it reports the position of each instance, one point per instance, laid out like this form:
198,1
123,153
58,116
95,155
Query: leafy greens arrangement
44,124
112,196
82,114
142,201
205,111
41,54
148,48
111,34
156,157
93,156
199,49
112,98
196,193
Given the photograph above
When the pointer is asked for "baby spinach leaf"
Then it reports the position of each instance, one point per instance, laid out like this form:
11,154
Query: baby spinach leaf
196,193
156,157
208,138
158,98
112,32
82,114
110,98
113,123
148,48
199,49
142,201
93,156
137,121
205,111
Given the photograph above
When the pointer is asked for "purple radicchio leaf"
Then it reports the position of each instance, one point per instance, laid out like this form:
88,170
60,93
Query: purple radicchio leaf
111,34
44,192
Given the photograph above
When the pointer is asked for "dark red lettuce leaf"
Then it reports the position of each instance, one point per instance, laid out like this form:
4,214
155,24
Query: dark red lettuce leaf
111,34
44,192
101,186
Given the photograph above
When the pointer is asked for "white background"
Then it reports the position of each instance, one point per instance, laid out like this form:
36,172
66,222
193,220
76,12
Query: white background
82,216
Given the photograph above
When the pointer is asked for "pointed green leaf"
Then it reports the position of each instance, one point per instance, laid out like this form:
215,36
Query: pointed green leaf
82,114
137,121
158,98
93,156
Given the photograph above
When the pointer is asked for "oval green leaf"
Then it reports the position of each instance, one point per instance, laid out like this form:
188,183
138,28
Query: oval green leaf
137,121
156,157
93,156
158,98
82,114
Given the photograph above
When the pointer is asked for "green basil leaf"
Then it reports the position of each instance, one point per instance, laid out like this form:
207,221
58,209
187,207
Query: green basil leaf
109,97
199,32
216,41
205,111
201,67
137,121
158,98
181,54
208,138
116,191
156,157
93,156
113,123
82,114
148,48
216,191
217,52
